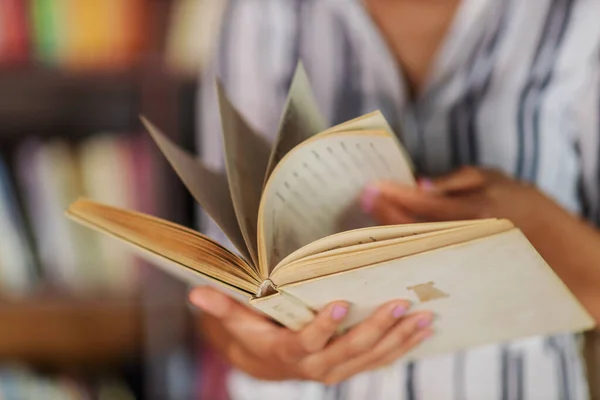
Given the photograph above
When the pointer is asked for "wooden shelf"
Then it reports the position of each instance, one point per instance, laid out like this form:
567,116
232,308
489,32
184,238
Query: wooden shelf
47,101
53,102
63,331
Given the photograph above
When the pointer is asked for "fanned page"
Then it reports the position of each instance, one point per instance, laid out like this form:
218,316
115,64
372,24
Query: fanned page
371,121
181,245
311,189
209,188
373,234
482,291
361,255
246,158
300,121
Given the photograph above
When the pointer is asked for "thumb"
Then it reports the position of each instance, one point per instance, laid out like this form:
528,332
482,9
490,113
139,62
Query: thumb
211,301
465,179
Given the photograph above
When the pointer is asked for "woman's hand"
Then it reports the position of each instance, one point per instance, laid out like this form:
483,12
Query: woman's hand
570,245
266,351
469,193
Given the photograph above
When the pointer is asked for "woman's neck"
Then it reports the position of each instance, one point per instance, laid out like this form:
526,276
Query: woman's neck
414,31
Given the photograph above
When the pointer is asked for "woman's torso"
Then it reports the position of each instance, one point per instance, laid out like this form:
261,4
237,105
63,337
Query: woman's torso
513,86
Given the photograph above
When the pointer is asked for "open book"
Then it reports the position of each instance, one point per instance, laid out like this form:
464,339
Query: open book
290,211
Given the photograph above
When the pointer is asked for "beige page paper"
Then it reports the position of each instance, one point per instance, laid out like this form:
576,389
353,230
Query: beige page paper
301,119
311,189
246,158
169,265
486,291
350,239
209,188
371,121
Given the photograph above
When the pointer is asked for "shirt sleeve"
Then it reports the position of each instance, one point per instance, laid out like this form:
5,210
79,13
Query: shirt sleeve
254,59
587,112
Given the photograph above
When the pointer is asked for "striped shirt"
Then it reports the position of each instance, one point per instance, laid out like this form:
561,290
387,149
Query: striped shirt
515,86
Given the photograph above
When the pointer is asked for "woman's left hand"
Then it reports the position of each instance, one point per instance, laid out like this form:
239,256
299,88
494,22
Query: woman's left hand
570,245
469,193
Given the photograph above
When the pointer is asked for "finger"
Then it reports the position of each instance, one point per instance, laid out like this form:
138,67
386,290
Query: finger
381,210
397,340
315,335
247,361
359,339
465,179
426,206
416,339
387,213
243,323
237,354
212,301
213,331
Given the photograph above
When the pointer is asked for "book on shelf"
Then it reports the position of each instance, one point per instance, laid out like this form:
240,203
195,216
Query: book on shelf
118,169
17,263
106,175
288,210
19,382
78,35
103,33
14,32
194,30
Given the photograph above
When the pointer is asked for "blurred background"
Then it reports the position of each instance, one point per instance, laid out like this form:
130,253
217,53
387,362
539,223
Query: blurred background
80,318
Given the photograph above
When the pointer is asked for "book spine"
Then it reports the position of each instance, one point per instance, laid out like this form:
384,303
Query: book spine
44,29
285,309
15,31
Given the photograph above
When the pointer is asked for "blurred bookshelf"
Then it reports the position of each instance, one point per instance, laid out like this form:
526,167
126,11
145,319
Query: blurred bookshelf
74,77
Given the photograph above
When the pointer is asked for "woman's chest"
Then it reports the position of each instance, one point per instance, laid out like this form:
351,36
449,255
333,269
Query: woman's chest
502,92
414,32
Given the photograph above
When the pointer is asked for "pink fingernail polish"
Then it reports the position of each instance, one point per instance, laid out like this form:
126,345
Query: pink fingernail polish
426,184
339,312
423,323
367,200
399,311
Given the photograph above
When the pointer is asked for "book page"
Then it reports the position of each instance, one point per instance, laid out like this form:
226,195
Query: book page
209,188
301,119
308,193
482,292
188,248
246,158
371,121
370,235
346,258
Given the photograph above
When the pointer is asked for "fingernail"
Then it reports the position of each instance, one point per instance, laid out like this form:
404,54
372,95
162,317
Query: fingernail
367,200
198,301
399,311
423,322
194,309
339,312
426,184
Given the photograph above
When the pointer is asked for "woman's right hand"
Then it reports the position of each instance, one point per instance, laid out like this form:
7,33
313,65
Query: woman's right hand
267,351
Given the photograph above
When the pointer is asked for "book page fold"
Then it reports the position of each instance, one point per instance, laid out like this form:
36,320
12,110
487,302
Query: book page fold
209,188
246,158
301,119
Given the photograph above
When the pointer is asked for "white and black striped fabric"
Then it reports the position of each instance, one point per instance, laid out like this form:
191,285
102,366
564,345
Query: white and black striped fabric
516,86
